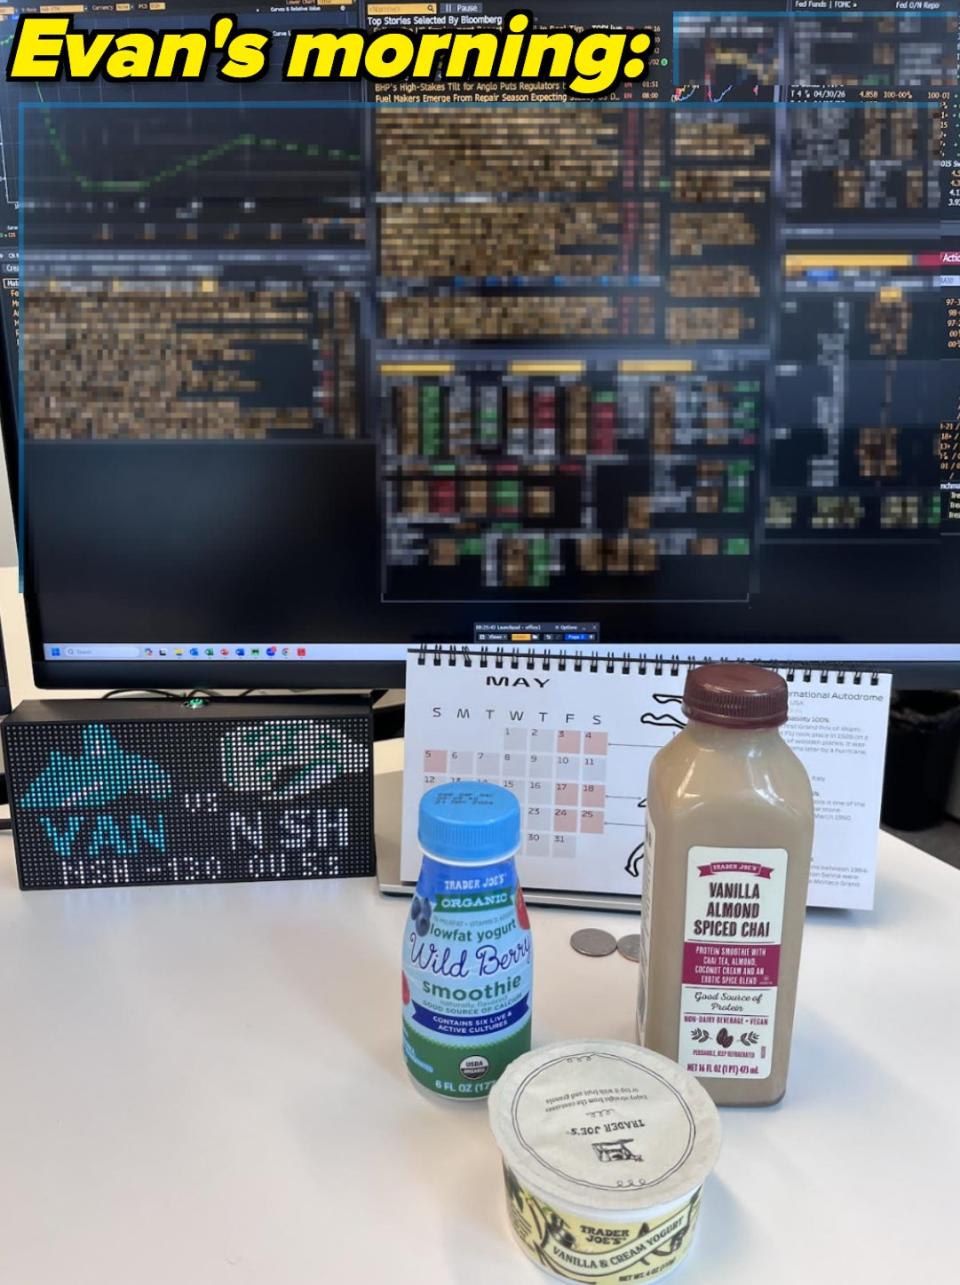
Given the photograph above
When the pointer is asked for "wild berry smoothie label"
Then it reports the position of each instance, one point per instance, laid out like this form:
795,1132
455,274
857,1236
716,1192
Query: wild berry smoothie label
731,961
466,976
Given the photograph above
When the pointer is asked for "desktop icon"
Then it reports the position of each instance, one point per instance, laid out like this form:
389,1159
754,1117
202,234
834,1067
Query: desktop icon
224,651
285,651
254,651
271,651
178,651
208,651
240,651
194,651
301,651
161,651
55,651
148,651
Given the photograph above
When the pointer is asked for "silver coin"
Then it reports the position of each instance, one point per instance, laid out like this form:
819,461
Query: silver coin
593,941
629,947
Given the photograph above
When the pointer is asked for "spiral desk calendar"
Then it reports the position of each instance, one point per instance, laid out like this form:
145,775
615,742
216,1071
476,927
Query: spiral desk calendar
573,734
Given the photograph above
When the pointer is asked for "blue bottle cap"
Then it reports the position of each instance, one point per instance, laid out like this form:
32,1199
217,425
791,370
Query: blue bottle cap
469,821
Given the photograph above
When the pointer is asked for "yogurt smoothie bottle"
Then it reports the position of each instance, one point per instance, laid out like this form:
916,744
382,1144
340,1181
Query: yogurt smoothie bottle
467,957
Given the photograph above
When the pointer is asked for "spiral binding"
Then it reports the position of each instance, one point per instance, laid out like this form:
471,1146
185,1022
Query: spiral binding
521,658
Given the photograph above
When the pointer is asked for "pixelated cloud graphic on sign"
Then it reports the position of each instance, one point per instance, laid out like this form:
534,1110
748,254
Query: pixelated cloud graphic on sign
284,760
102,773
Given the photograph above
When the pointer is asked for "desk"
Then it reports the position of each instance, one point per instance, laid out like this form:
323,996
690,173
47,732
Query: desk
204,1086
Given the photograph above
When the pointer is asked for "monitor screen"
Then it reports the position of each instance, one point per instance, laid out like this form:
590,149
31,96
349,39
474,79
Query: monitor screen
301,375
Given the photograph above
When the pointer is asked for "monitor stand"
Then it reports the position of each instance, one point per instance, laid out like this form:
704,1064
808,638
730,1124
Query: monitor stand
387,718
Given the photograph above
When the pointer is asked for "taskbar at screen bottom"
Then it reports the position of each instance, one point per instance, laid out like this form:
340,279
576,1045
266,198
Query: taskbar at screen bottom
872,654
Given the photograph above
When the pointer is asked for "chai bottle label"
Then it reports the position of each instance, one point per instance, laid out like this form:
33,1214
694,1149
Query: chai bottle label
731,961
466,976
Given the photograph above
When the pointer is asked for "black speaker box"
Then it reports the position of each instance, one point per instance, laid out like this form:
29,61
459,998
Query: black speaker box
113,792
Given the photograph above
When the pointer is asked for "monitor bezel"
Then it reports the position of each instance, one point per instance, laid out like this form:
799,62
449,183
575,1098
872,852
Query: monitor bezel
339,675
311,676
260,675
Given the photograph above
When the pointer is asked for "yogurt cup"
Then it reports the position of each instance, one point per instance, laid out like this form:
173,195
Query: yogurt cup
605,1148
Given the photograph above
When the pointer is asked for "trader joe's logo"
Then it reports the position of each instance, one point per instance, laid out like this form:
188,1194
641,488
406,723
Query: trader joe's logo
254,801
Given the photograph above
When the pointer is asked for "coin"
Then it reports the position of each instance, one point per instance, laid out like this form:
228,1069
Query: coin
593,941
629,947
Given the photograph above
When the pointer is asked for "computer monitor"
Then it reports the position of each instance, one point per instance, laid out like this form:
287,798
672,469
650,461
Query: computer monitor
313,373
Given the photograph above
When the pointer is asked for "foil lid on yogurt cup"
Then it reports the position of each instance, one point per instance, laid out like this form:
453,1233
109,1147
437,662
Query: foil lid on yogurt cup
605,1126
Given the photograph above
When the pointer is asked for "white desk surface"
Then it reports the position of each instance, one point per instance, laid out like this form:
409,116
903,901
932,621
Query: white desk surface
204,1086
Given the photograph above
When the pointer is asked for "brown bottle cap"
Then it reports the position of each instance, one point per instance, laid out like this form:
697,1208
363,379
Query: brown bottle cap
735,696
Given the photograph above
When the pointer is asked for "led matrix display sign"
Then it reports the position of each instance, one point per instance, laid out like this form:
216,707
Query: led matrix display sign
159,795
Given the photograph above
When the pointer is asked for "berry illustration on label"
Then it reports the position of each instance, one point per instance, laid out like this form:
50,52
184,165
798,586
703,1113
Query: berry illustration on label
523,919
421,910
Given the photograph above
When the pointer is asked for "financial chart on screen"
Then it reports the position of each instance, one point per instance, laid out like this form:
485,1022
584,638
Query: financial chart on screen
680,363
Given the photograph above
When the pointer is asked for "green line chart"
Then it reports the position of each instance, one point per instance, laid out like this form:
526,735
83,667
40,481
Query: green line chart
190,175
196,162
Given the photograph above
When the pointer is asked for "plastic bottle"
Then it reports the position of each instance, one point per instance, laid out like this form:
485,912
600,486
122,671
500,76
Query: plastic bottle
467,950
727,862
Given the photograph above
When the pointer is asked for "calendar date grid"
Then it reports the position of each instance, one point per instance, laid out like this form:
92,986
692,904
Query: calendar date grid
558,776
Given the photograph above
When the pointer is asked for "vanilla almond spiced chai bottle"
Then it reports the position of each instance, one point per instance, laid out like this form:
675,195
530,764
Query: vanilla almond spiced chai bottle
727,861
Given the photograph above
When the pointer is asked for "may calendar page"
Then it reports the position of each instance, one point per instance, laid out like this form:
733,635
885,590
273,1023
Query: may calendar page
575,746
565,743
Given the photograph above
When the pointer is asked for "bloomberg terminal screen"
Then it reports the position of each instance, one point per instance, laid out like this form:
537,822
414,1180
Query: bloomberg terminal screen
352,366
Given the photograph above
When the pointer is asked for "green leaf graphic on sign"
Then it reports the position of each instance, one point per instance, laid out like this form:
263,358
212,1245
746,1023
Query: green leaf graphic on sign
285,760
